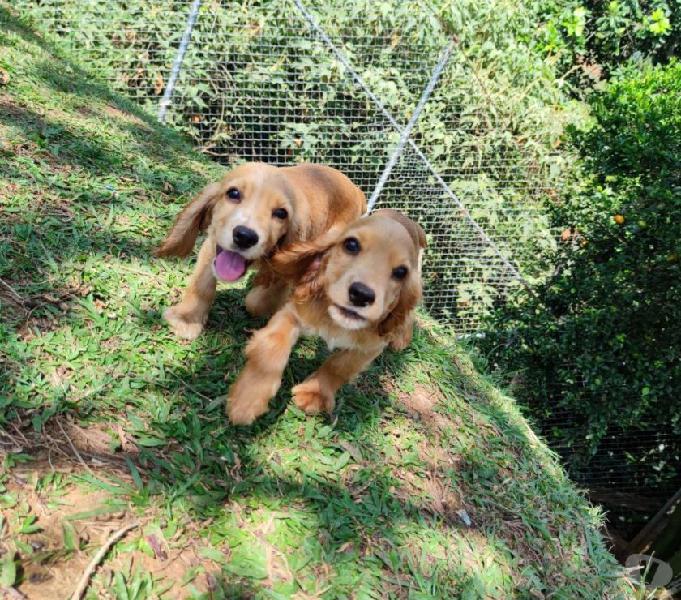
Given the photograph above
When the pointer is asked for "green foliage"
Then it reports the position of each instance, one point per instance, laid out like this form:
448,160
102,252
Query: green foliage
591,38
599,340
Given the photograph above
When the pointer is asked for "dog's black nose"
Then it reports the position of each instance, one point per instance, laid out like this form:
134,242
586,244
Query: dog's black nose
361,295
244,237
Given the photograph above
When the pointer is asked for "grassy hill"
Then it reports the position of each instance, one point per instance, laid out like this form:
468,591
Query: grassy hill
427,483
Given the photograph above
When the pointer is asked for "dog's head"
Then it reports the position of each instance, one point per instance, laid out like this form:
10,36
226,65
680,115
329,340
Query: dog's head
370,275
248,213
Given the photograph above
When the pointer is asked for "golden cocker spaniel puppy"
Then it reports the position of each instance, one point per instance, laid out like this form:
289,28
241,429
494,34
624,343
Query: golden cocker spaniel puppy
253,212
357,293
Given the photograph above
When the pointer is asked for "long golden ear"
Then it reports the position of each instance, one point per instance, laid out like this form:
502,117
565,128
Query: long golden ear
399,323
195,217
293,261
311,284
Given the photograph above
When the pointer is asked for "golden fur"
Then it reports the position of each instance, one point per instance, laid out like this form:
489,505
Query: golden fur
321,304
319,202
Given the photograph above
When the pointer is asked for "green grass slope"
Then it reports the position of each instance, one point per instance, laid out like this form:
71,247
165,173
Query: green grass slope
427,483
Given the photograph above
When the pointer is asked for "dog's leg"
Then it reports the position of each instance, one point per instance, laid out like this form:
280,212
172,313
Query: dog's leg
267,354
265,300
317,393
188,317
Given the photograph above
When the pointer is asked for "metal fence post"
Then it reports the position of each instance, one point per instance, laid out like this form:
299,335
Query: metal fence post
177,63
406,132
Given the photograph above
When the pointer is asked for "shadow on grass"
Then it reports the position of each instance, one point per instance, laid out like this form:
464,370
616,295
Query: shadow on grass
71,78
75,191
190,460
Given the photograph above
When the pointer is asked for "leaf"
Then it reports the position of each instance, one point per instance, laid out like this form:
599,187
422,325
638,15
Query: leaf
8,570
149,442
120,587
71,539
136,478
29,525
212,554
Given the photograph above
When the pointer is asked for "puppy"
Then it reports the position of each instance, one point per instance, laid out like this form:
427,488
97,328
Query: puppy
249,215
358,294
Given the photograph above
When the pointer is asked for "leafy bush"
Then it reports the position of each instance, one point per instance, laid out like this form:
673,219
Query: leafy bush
599,340
590,38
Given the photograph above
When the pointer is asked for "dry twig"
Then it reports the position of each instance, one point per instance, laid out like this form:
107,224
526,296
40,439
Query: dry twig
97,558
75,450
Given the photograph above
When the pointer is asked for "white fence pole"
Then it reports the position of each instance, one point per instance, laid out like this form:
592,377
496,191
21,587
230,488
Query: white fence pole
406,132
177,63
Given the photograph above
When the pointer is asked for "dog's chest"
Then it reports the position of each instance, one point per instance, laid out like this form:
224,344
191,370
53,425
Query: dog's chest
333,336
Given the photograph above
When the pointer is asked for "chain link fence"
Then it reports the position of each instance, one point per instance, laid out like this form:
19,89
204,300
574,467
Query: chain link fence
283,81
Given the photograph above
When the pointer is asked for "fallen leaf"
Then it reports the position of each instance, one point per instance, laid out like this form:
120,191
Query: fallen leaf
157,547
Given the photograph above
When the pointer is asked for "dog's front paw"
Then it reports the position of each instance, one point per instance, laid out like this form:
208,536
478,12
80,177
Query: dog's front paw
244,412
400,342
249,397
311,398
183,325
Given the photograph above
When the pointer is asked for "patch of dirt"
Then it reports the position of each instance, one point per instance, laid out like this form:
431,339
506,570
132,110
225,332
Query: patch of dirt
60,298
432,495
421,405
66,444
436,457
67,448
53,572
9,106
171,565
117,113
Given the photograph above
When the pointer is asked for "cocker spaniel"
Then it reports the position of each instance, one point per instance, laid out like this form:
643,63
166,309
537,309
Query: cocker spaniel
252,213
358,293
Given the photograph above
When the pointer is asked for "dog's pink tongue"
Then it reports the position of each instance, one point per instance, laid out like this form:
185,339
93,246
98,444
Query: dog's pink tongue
229,266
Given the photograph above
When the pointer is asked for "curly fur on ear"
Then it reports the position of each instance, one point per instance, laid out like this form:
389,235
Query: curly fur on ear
398,325
300,262
195,217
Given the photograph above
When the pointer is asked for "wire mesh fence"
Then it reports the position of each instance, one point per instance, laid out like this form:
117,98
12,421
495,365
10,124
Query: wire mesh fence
259,82
632,472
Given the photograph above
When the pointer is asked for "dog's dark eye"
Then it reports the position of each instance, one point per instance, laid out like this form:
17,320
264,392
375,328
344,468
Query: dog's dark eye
234,194
280,213
351,245
400,272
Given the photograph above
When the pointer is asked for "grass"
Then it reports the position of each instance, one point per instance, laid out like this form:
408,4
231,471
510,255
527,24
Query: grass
426,483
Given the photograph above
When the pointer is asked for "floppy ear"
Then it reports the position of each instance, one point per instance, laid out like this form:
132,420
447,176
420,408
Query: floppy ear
195,217
304,263
294,261
311,284
399,323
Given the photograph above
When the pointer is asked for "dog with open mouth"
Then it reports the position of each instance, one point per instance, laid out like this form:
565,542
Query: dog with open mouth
249,216
358,293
